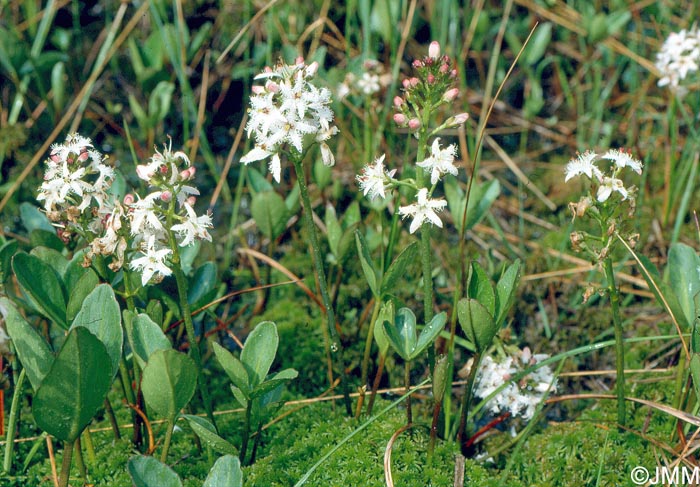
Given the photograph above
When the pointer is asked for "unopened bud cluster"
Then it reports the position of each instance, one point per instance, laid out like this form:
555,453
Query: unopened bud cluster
430,87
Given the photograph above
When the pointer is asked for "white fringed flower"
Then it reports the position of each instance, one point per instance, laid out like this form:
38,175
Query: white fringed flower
425,209
374,179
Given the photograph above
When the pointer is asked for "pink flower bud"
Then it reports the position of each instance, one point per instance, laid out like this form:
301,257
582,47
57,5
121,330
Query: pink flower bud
413,82
450,94
444,68
413,124
434,50
272,87
461,118
166,196
191,200
400,119
257,90
163,169
453,73
431,79
128,199
457,120
406,84
55,156
417,63
83,155
398,101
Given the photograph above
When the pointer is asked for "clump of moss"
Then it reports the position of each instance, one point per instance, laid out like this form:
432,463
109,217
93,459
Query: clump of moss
303,438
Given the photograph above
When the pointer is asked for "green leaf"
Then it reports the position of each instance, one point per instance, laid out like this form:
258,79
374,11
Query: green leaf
477,323
662,291
259,352
480,201
234,369
240,397
370,271
58,86
202,284
42,238
145,337
480,288
270,213
168,383
429,333
7,251
52,257
334,230
43,286
207,433
100,314
257,182
74,388
149,472
684,267
506,289
273,382
226,472
695,373
34,219
538,43
402,332
352,216
33,351
84,286
159,102
398,268
386,313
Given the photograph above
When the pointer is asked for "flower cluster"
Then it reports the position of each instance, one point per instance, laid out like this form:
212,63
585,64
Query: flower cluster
285,111
586,165
76,179
678,57
521,398
156,217
373,78
431,87
76,197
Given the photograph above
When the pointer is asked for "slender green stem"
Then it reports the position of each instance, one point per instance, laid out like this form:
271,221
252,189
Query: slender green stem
619,343
466,401
168,438
12,422
375,384
189,327
368,343
65,465
78,454
112,419
433,429
246,432
86,437
336,345
407,382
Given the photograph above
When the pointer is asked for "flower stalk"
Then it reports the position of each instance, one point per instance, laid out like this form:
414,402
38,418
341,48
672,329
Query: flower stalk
335,345
619,340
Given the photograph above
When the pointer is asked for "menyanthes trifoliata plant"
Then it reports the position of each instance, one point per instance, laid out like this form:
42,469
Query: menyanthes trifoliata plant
610,204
